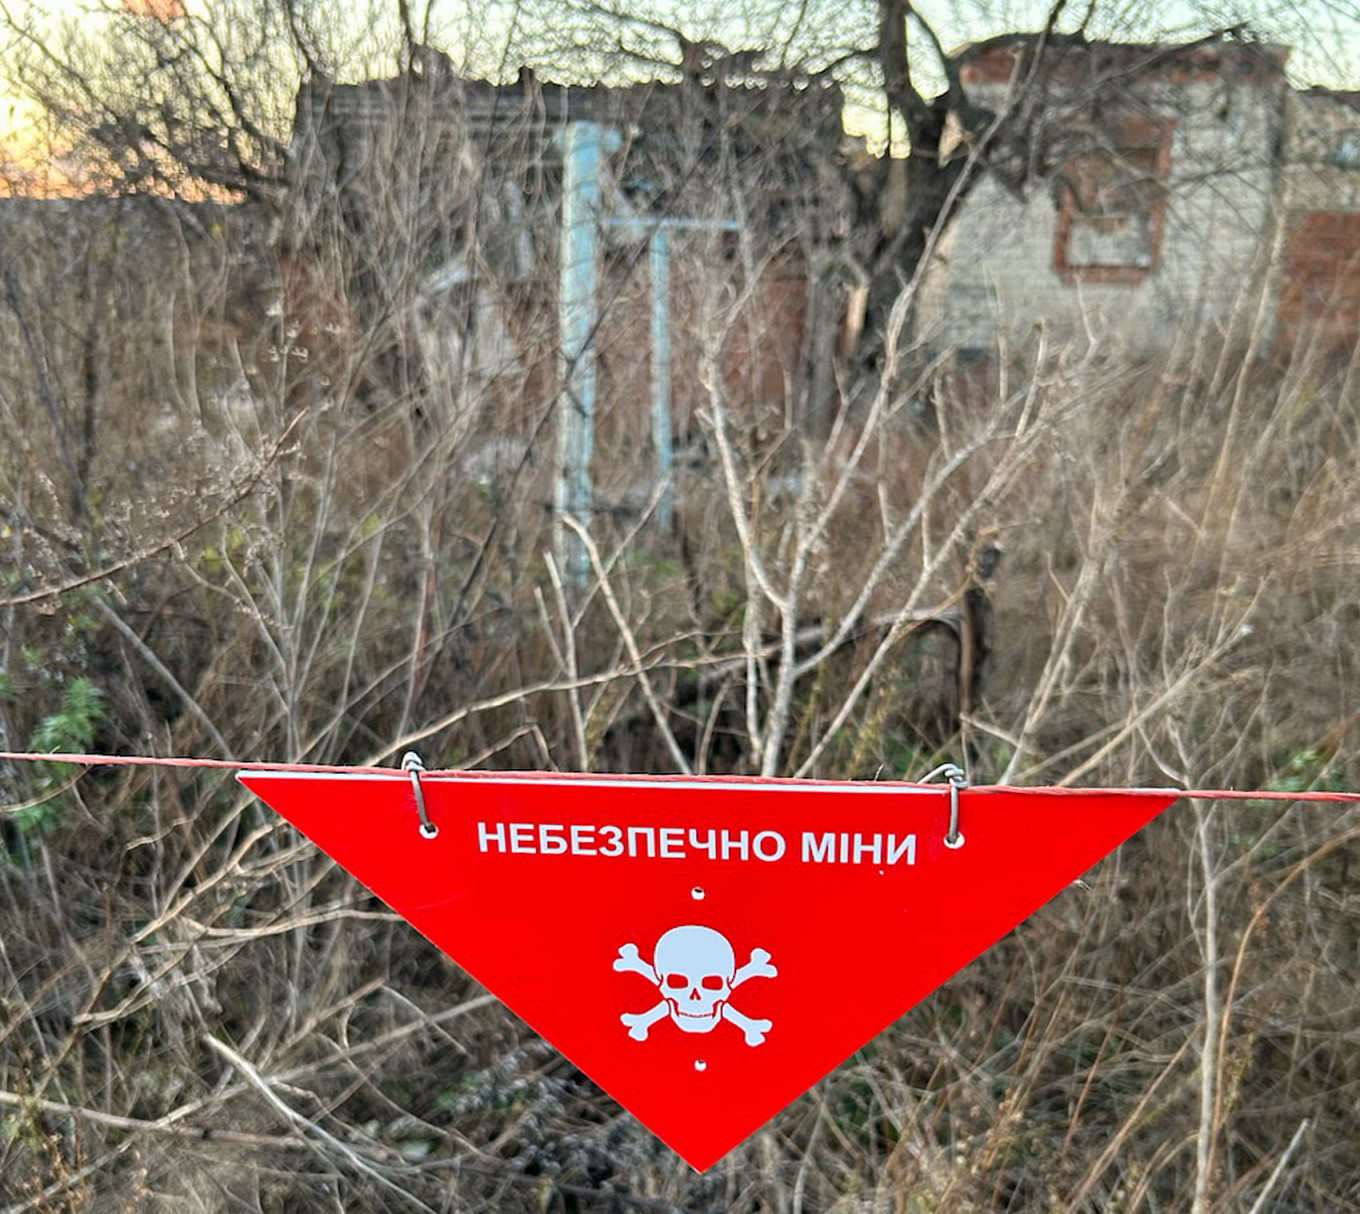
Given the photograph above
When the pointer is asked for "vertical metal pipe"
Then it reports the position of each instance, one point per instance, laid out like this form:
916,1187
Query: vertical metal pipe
662,440
573,491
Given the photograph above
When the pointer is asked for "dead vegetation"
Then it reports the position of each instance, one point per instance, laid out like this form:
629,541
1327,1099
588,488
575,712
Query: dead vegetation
277,490
200,1013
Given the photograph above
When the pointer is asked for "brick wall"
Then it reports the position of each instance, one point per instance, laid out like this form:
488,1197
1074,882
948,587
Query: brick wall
1320,282
995,276
1318,276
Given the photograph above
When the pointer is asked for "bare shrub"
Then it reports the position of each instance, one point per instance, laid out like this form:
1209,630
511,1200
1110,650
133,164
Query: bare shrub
302,511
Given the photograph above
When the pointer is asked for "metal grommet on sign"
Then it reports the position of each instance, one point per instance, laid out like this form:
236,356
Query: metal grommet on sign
410,761
957,782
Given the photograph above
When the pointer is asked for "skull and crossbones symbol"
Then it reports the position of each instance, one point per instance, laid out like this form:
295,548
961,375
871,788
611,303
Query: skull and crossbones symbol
695,970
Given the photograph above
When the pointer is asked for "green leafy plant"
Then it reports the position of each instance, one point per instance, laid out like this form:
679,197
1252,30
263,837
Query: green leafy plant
70,729
1308,770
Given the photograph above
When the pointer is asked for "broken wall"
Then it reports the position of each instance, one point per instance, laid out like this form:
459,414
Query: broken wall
1319,274
1158,185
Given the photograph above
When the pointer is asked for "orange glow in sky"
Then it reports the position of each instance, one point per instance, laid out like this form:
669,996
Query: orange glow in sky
30,165
161,10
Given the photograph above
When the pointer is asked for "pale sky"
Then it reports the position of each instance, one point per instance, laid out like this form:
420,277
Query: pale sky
491,37
1321,31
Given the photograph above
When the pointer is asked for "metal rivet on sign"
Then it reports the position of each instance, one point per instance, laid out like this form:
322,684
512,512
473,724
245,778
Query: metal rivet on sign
410,761
700,1065
697,893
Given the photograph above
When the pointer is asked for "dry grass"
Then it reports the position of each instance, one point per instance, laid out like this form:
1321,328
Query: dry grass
199,1013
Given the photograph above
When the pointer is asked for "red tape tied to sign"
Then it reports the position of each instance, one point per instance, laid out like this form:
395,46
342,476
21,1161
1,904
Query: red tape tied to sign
704,949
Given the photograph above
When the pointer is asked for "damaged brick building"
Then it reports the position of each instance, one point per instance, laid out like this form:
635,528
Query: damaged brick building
1182,189
445,195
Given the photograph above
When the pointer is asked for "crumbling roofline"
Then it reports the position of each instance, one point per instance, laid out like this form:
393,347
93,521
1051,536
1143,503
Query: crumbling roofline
1073,58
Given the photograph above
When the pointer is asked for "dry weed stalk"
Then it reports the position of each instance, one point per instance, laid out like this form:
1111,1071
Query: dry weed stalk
200,1012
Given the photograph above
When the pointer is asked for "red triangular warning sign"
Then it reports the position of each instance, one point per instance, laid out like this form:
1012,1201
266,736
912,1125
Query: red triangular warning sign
704,949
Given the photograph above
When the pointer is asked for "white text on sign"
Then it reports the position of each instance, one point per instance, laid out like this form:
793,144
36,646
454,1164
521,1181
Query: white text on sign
681,843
